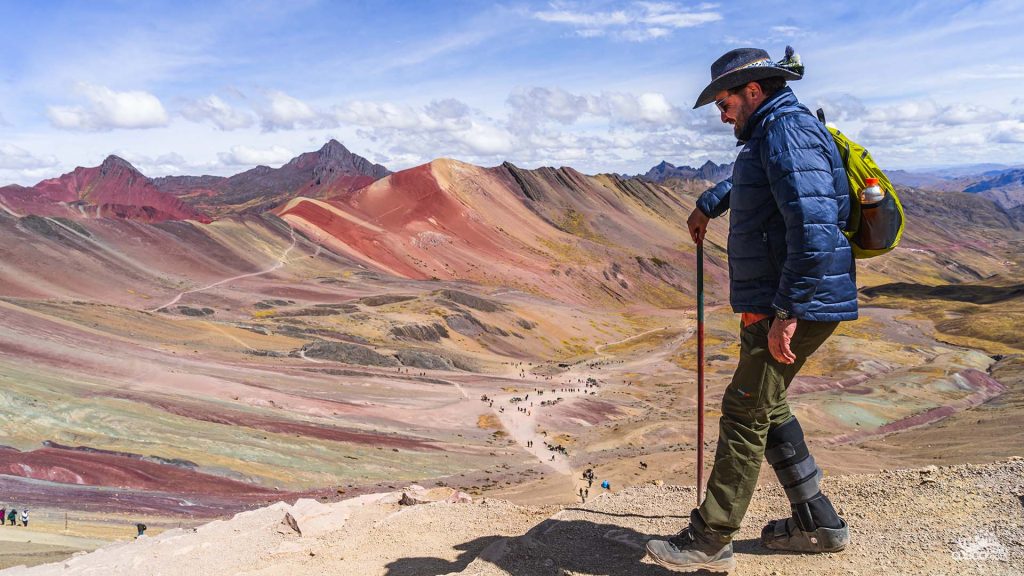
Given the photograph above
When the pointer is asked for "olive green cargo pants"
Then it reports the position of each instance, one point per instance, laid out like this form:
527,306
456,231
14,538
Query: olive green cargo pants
754,402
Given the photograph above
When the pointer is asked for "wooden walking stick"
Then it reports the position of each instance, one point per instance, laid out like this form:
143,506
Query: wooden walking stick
700,371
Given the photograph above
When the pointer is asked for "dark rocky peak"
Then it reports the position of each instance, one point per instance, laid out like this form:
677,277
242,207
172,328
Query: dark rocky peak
334,159
999,179
714,172
708,171
334,149
115,166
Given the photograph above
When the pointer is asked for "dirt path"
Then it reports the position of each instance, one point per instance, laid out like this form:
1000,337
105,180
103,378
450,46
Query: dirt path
281,260
522,426
963,520
7,208
597,349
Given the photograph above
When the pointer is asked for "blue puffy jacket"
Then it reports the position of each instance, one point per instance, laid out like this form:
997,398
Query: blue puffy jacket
790,202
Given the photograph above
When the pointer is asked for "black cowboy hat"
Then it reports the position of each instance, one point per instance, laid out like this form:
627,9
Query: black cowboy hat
737,68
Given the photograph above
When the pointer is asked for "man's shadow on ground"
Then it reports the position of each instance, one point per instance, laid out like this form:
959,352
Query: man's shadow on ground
553,545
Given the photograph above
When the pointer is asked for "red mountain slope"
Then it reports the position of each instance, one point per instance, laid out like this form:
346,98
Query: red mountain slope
112,189
330,171
556,232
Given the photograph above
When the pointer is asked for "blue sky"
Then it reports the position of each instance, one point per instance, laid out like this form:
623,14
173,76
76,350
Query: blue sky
218,87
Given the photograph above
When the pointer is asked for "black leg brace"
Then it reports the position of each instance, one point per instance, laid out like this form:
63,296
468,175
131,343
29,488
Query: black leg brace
797,472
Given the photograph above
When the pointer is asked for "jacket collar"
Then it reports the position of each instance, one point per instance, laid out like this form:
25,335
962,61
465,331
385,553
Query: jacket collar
782,98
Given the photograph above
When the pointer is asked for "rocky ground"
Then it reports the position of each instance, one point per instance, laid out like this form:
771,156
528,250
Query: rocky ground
966,519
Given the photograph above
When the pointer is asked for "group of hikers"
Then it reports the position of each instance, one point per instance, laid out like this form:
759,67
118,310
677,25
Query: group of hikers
12,516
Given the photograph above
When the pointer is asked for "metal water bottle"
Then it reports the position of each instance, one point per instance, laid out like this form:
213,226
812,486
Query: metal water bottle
871,193
872,232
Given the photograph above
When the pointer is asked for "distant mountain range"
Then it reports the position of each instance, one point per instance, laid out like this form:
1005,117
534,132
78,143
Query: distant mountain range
330,171
117,189
1002,185
113,189
708,171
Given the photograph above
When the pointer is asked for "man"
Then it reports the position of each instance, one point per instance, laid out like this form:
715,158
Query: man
792,278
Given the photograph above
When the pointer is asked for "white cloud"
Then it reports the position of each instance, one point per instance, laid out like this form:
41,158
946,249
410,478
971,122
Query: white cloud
839,107
1010,132
538,104
446,127
906,121
681,19
961,113
284,112
447,115
378,114
640,22
16,158
106,110
246,156
168,164
786,31
531,108
484,139
645,34
629,109
217,111
595,20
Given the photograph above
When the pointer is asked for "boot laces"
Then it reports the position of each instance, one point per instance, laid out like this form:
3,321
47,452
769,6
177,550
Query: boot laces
683,540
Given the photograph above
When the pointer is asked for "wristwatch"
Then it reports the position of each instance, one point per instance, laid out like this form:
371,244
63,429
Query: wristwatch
781,314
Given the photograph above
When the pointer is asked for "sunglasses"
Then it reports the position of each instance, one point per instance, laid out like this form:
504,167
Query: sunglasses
721,104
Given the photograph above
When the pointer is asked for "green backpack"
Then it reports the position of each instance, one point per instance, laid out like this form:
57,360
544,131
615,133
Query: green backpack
873,229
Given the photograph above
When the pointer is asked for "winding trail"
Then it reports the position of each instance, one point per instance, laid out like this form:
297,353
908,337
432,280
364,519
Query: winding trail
302,354
280,262
597,349
7,208
522,426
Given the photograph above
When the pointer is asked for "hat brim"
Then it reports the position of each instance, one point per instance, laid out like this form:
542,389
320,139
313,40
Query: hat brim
741,78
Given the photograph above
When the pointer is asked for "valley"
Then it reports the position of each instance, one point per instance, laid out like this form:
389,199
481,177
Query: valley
493,330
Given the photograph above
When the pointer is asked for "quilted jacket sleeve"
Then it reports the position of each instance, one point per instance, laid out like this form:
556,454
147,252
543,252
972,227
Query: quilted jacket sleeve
715,200
796,160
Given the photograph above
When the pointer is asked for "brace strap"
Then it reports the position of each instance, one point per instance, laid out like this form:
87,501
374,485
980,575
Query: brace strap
805,490
780,452
794,473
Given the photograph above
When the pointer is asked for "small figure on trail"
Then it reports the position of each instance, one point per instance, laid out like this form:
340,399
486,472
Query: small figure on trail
606,484
24,517
792,277
141,528
12,516
3,514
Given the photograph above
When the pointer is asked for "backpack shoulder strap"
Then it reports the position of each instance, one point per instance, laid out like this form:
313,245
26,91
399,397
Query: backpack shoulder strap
775,116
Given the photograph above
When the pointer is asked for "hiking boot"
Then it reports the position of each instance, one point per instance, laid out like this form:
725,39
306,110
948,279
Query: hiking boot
695,548
786,535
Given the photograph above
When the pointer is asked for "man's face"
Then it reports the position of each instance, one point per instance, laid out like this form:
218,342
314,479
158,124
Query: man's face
736,108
